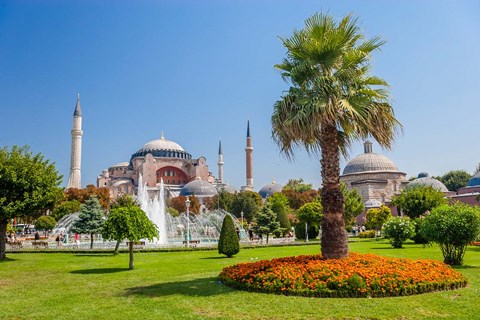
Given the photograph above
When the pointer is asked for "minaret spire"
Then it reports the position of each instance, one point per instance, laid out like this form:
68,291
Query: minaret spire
249,161
74,179
220,163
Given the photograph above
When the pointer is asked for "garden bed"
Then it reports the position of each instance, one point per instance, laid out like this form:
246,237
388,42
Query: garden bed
359,275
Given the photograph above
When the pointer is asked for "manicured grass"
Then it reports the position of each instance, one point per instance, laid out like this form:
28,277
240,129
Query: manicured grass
183,285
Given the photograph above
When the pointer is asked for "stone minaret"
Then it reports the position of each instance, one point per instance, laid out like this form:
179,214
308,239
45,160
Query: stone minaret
76,152
249,161
220,163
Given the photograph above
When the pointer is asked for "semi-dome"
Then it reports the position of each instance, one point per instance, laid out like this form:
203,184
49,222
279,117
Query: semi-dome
474,181
121,164
199,188
369,162
425,180
162,148
270,189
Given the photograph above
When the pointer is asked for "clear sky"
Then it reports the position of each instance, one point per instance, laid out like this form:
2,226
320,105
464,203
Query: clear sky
198,70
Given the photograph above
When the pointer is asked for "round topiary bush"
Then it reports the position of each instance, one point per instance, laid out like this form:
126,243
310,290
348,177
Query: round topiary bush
453,228
359,275
398,230
228,243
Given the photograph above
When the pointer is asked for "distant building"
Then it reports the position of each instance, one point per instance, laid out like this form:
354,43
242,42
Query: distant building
156,160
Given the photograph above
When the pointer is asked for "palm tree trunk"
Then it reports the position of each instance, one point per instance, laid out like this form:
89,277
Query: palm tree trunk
130,249
334,243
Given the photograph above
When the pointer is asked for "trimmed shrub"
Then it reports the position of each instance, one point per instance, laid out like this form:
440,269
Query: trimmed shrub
228,244
453,228
398,230
313,231
419,237
367,234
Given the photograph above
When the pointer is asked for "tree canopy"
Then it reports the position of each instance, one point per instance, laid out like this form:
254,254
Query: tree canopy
128,222
376,217
90,220
353,205
298,185
29,185
248,202
417,200
333,100
455,179
266,221
46,223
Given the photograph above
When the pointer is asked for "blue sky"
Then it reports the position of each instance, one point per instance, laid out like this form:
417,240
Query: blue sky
198,70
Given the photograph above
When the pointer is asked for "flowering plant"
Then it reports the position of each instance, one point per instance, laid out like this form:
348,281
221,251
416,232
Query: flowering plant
398,230
359,275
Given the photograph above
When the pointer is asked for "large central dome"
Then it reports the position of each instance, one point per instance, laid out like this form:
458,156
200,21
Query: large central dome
162,148
161,144
369,162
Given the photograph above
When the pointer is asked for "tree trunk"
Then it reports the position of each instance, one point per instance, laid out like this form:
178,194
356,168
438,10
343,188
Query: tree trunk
130,249
91,240
334,243
117,245
3,236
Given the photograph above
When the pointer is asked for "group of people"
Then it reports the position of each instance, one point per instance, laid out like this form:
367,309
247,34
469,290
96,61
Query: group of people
357,229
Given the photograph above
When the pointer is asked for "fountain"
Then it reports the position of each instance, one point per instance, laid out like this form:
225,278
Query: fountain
204,228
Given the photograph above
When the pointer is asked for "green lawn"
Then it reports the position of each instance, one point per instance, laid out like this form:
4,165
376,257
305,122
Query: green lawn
183,285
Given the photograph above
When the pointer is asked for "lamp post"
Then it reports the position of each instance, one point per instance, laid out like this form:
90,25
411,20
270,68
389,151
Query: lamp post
187,204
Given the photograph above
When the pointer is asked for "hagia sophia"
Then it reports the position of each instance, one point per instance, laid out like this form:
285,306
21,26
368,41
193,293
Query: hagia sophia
374,176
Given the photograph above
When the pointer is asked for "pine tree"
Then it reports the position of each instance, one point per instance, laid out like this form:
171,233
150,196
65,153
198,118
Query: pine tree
266,221
90,221
228,244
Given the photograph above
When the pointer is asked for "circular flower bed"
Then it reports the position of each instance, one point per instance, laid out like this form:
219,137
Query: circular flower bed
359,275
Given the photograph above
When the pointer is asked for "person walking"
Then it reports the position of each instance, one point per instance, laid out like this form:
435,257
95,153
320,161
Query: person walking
37,236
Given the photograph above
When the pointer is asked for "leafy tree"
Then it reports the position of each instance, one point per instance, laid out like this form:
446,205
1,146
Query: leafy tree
248,202
415,201
353,205
455,179
172,212
376,217
298,185
333,101
228,243
297,199
311,213
178,203
398,230
90,220
45,223
82,195
29,185
65,208
477,169
279,204
223,200
453,228
125,200
266,221
128,223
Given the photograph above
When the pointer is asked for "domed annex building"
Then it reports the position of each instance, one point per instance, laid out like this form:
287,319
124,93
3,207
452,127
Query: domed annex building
374,176
469,193
156,160
423,179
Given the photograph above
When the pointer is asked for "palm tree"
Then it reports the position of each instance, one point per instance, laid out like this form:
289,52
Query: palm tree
332,102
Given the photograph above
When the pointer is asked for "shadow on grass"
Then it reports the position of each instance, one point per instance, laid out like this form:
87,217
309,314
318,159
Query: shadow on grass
214,258
204,287
7,260
99,271
94,255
